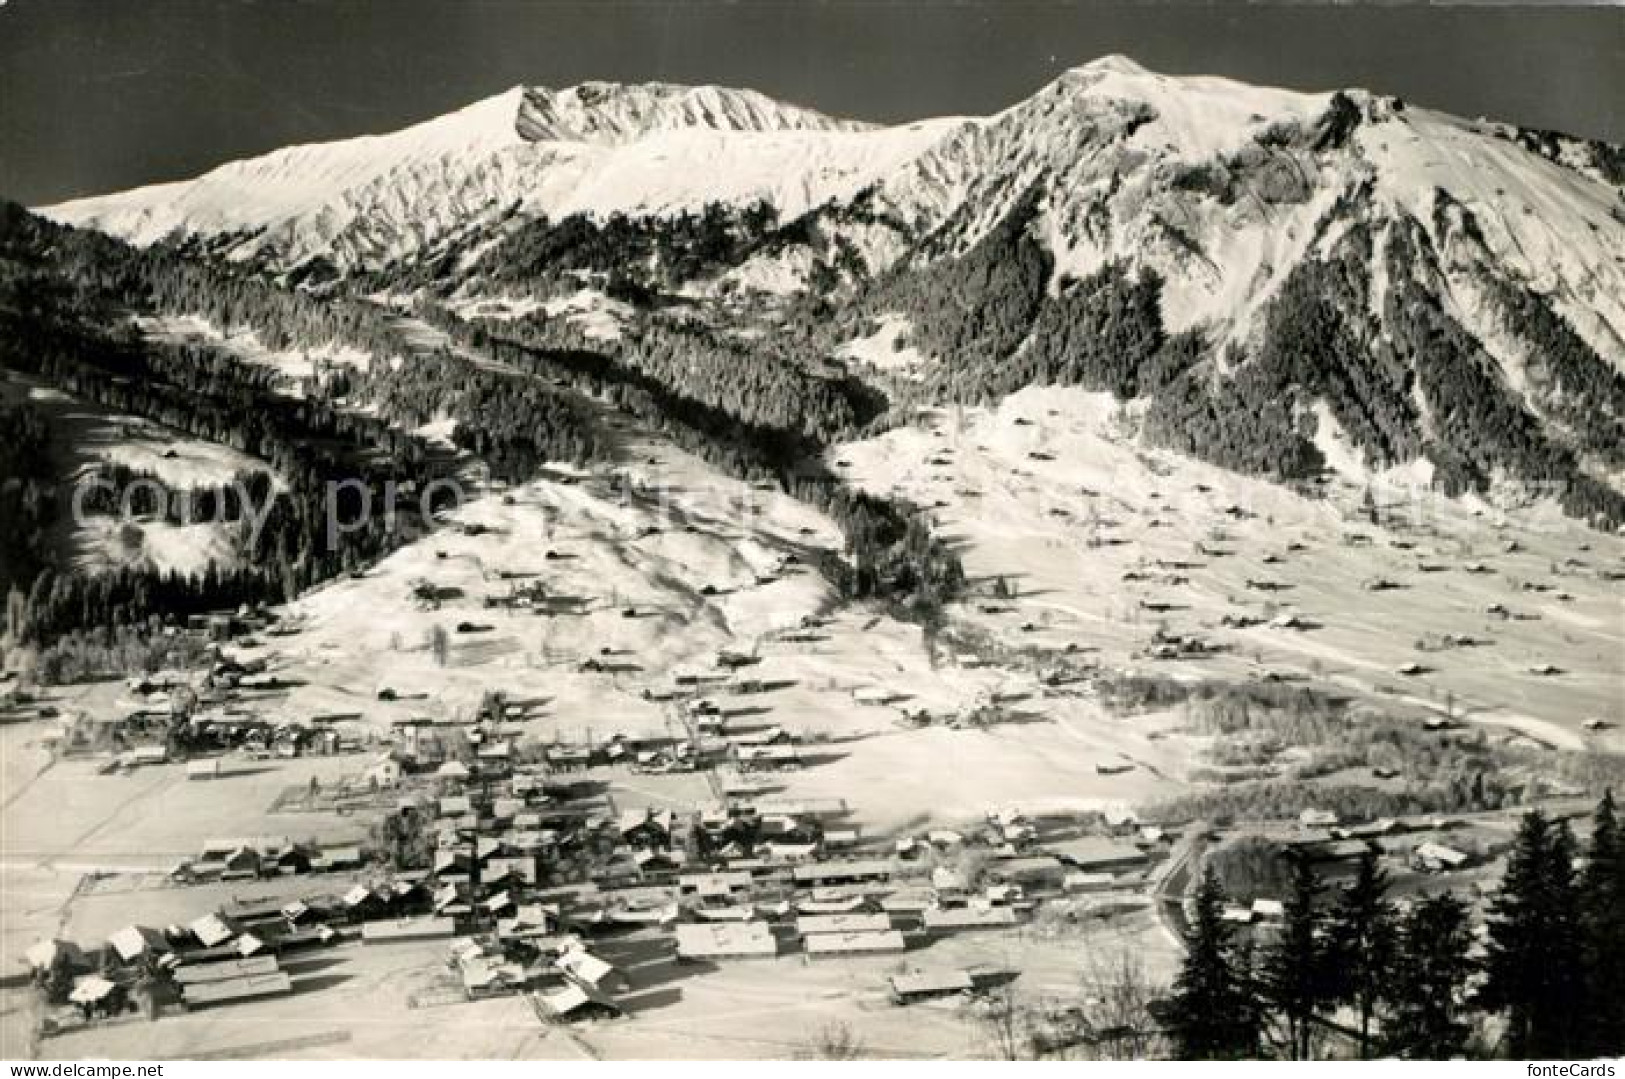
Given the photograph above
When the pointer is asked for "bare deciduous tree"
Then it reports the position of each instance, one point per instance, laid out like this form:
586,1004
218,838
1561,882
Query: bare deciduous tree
835,1040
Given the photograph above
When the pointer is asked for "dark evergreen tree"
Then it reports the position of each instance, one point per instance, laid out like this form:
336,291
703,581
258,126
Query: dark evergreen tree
1363,944
1425,1017
1297,979
1214,1014
1602,897
1534,967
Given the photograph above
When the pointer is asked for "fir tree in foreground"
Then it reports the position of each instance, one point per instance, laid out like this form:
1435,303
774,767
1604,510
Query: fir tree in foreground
1213,1015
1297,974
1602,912
1535,966
1425,1019
1363,941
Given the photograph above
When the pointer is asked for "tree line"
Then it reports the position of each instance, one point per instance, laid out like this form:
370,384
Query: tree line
1410,978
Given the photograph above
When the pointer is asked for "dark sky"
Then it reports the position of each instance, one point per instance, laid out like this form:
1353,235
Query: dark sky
98,95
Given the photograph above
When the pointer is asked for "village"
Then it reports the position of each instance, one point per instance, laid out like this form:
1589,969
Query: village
590,772
591,880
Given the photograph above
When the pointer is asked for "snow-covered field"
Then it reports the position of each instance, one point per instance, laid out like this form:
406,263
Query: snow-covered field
1106,541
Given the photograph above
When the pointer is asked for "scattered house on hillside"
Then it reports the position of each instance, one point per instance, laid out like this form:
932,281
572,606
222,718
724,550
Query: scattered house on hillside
1436,857
1317,818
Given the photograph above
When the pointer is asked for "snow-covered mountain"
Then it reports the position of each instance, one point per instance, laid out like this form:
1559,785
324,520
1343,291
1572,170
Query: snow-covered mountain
595,148
1215,183
1341,266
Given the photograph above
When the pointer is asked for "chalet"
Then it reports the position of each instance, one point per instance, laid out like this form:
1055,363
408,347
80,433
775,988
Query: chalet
384,771
726,940
206,768
486,976
955,919
949,884
835,904
1092,854
210,930
814,924
1035,871
1078,882
766,736
408,929
242,863
1342,850
568,758
652,863
201,973
529,920
770,758
45,954
1436,857
134,941
589,969
647,829
97,995
713,885
852,872
577,1001
860,943
921,985
336,858
234,990
1269,909
361,903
